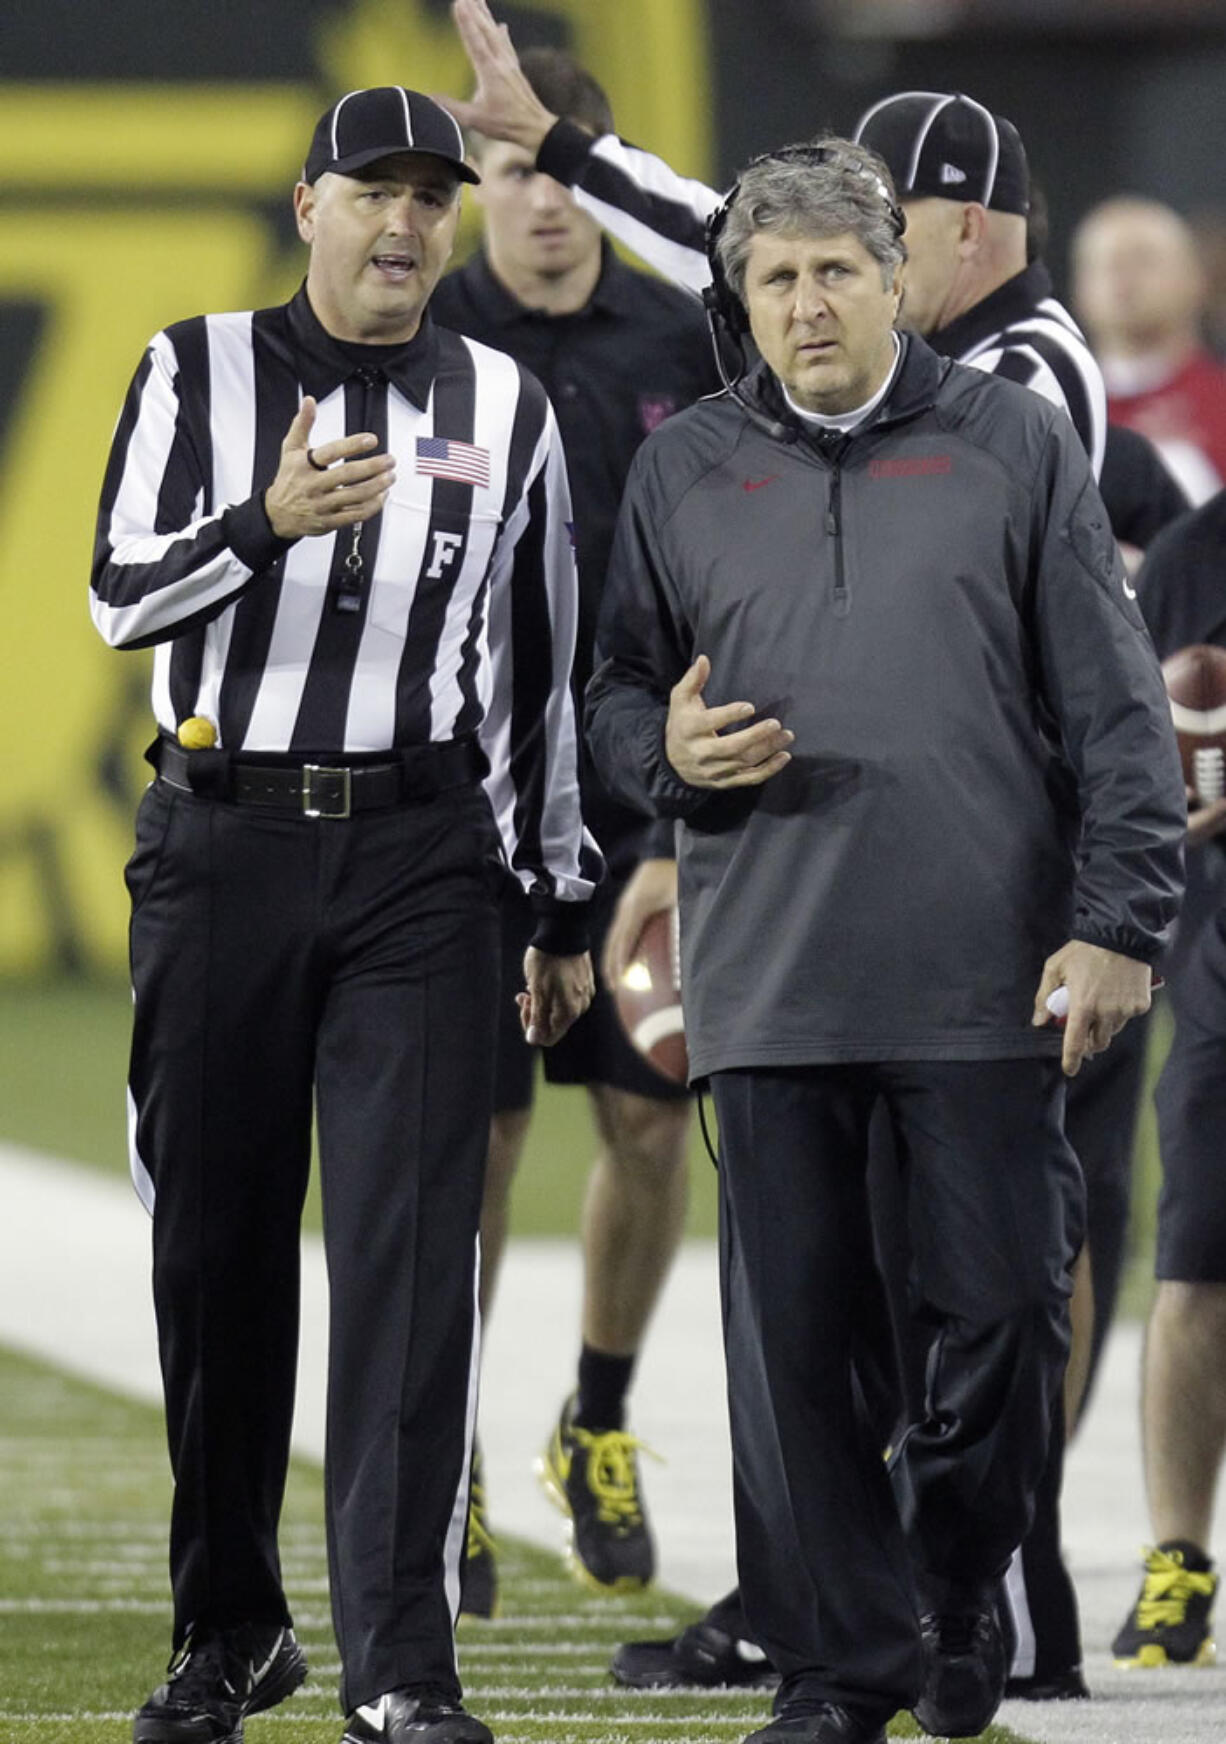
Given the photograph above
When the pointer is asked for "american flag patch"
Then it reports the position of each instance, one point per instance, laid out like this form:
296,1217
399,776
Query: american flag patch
439,457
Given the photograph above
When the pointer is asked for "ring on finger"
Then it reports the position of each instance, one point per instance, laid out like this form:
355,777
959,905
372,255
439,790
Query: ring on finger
311,461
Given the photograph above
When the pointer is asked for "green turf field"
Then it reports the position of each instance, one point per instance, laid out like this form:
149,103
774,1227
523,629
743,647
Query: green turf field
64,1044
84,1602
64,1050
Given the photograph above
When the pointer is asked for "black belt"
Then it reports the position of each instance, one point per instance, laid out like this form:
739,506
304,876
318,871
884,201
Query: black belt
335,789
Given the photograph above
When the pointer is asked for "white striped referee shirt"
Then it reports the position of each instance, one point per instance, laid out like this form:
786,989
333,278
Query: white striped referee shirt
465,621
1019,331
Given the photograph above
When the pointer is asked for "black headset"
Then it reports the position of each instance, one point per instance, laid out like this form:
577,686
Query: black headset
727,317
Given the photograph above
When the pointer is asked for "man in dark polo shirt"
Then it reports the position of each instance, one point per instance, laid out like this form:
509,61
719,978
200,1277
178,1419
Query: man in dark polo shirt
617,352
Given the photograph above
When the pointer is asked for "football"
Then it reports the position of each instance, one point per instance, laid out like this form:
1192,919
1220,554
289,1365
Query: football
1196,684
648,997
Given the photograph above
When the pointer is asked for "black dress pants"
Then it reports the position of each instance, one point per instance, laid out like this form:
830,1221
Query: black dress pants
281,963
835,1555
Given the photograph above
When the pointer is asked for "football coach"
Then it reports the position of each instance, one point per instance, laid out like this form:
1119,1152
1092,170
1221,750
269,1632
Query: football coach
344,531
868,637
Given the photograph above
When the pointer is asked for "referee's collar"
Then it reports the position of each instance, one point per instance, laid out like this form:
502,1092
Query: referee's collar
1015,300
324,362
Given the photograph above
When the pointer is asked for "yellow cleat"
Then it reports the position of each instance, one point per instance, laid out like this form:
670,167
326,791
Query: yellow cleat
1172,1620
592,1476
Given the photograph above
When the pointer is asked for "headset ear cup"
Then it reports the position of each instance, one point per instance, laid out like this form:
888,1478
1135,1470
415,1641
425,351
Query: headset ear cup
721,303
724,305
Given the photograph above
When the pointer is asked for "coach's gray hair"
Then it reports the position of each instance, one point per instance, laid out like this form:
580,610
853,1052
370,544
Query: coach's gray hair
851,191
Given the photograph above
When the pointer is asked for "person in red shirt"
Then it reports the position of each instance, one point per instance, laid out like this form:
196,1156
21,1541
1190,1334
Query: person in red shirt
1139,290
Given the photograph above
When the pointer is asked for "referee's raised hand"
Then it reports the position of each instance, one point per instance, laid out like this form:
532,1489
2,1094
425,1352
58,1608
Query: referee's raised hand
503,105
317,490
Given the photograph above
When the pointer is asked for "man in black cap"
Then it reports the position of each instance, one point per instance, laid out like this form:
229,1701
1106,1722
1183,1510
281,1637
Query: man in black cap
973,289
345,532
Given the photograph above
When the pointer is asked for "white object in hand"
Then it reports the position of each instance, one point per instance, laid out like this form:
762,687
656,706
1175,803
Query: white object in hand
1057,1002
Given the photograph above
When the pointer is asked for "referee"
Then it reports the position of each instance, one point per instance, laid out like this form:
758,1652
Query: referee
345,533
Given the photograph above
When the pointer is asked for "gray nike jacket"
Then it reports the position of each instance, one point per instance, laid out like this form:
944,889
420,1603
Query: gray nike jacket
984,764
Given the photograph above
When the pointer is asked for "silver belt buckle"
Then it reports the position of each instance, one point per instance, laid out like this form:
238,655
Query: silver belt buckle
326,793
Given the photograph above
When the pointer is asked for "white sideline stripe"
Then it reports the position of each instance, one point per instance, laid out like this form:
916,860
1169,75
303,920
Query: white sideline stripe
605,1695
75,1292
546,1626
654,1719
86,1607
18,1718
279,1717
525,1649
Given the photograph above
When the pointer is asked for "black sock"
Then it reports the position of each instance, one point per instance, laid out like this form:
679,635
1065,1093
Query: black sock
604,1382
1194,1557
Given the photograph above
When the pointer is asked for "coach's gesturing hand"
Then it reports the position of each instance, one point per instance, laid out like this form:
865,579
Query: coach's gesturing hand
317,490
706,755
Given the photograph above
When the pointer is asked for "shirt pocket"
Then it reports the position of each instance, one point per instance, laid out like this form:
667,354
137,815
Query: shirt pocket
425,555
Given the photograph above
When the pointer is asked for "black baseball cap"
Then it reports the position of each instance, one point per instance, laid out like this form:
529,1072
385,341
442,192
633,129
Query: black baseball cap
364,126
942,144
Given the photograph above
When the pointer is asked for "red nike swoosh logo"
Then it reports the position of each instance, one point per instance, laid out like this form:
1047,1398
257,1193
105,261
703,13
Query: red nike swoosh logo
757,483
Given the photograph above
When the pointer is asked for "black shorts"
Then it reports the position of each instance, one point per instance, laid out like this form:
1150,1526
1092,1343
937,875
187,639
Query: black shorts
1191,1105
596,1050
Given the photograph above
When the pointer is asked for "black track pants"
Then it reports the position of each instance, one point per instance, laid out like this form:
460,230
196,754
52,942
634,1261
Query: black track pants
832,1557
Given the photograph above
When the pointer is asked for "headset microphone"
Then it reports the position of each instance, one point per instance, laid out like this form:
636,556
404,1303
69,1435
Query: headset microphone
719,326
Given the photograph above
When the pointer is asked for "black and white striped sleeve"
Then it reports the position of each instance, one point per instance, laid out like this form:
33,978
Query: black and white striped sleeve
637,198
529,730
1047,354
162,564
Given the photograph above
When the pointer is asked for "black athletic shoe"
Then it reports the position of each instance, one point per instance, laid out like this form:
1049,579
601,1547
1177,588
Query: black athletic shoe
701,1657
419,1715
479,1570
1056,1686
216,1681
1172,1620
820,1723
965,1667
593,1477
